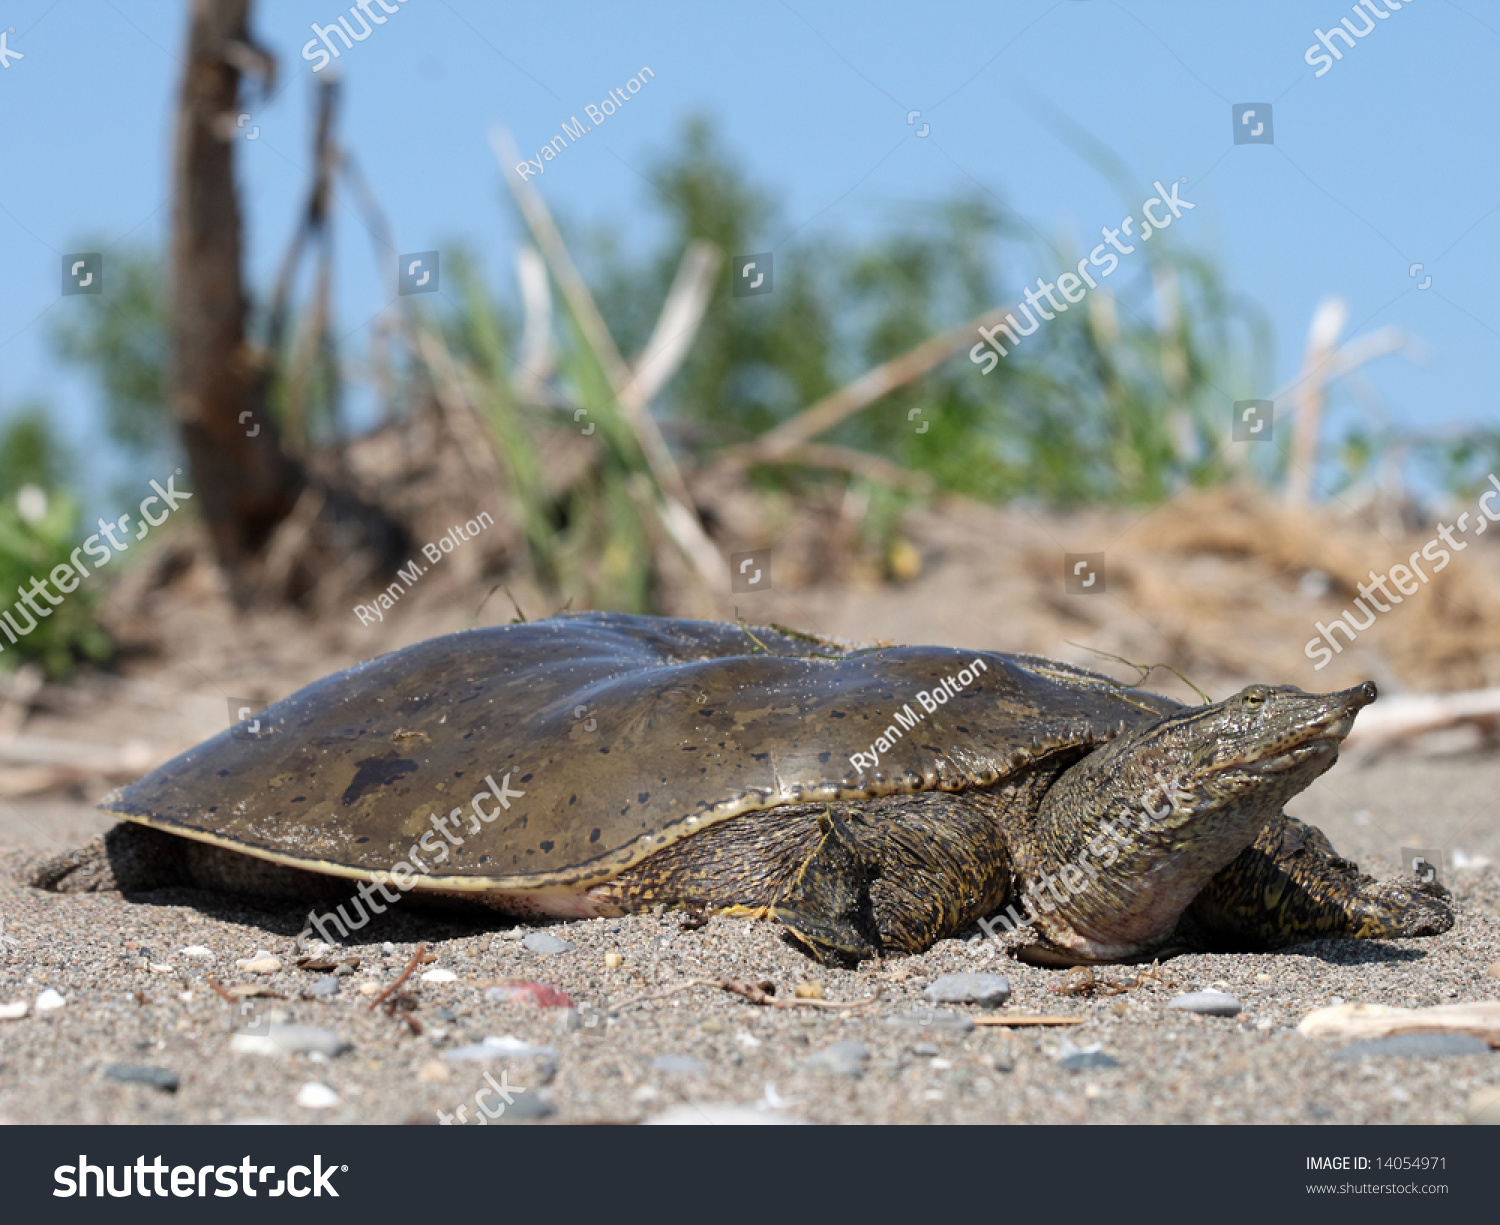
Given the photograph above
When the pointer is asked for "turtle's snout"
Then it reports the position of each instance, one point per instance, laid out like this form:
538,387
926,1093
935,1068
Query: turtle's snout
1362,694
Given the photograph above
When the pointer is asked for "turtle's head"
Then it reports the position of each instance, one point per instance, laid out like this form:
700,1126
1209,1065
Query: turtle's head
1151,816
1266,740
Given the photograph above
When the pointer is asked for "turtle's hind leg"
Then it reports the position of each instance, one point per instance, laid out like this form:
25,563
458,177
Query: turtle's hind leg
1290,885
827,905
127,858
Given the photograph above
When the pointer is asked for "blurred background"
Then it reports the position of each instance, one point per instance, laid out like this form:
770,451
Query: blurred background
325,293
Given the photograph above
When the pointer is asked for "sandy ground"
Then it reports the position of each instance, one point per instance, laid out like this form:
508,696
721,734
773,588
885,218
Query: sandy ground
134,997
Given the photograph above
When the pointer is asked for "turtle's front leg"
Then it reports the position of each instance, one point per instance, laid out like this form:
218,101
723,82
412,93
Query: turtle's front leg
1290,885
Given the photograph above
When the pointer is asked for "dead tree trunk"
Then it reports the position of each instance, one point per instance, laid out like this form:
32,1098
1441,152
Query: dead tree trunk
243,482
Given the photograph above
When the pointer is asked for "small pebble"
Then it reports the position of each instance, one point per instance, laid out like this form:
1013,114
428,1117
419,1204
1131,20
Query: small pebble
1085,1058
387,947
544,995
546,943
158,1078
1493,971
613,960
932,1019
926,1049
526,1107
513,933
162,968
249,990
326,986
842,1059
1414,1046
316,1096
684,1064
278,1039
500,1048
990,990
15,1011
197,950
746,1039
1207,1003
1484,1107
262,963
439,976
810,990
434,1070
370,988
49,1001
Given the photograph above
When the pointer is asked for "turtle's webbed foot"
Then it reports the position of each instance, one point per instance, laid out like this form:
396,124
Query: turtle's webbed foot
1391,909
1291,886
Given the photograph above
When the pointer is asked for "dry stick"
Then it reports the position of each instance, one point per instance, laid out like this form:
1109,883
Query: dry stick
755,993
828,412
416,960
859,463
214,983
554,250
1322,339
681,315
677,515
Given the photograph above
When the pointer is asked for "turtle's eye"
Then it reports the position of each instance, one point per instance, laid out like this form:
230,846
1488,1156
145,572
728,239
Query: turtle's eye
1253,699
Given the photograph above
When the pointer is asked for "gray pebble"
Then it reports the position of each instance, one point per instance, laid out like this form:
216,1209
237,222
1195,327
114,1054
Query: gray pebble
1207,1003
926,1049
326,986
527,1107
305,1039
842,1058
685,1064
933,1019
991,990
544,942
1415,1046
1083,1061
158,1078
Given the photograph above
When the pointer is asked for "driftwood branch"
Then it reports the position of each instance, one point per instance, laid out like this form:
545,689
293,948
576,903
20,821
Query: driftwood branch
1381,1021
1403,716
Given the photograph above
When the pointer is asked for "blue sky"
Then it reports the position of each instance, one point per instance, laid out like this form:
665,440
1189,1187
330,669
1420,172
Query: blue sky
1385,161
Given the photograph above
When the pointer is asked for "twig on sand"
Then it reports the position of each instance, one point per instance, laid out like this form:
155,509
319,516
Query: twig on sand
1018,1021
214,983
762,993
416,960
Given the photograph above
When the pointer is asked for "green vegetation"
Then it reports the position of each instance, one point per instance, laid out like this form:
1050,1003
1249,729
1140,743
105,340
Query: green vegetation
38,530
1123,399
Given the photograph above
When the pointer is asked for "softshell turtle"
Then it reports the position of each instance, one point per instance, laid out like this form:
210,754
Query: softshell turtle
870,800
